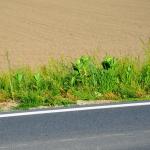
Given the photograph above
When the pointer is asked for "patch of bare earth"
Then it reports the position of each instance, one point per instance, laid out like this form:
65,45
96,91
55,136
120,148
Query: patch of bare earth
34,30
94,102
7,105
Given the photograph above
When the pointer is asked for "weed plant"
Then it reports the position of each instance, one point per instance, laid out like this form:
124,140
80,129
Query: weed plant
63,83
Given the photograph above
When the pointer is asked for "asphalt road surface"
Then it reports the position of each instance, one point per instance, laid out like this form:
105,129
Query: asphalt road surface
125,128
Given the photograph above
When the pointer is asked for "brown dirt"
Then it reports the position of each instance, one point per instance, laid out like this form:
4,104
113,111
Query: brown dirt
33,30
94,102
7,105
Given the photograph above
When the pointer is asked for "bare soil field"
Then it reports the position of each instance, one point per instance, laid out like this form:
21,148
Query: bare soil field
34,30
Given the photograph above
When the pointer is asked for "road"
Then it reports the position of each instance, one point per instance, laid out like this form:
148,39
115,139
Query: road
126,128
34,30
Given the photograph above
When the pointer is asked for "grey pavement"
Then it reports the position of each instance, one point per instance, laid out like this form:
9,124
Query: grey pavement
106,129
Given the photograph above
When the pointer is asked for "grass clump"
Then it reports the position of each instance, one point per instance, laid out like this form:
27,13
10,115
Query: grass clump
86,78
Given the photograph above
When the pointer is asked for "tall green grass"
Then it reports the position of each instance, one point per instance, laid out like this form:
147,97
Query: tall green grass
63,82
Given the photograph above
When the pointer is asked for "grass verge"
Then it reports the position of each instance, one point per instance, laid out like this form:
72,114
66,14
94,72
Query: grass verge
61,82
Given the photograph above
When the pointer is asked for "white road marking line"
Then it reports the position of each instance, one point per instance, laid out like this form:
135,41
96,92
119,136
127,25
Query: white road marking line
73,109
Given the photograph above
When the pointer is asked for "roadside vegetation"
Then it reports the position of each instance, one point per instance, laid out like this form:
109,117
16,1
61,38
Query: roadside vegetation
61,82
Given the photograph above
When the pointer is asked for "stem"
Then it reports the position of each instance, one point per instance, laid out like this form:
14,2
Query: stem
10,77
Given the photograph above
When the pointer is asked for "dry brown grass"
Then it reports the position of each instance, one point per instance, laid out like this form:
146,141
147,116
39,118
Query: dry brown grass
7,105
94,102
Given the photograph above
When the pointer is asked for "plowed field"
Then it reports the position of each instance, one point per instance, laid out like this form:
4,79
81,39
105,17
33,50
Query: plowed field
33,30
